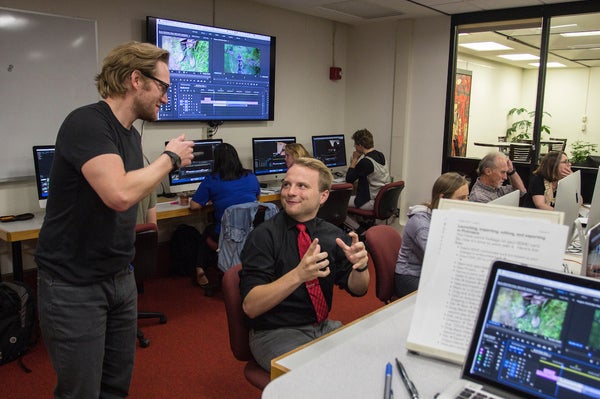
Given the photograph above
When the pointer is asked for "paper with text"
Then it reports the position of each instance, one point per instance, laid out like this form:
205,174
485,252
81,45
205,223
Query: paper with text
460,249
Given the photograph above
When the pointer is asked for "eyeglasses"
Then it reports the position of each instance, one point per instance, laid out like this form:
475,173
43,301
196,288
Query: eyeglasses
164,87
567,161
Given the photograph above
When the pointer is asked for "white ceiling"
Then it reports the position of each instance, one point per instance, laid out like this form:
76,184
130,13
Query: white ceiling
364,11
571,52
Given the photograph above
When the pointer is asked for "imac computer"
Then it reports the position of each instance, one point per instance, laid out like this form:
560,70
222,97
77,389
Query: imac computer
331,150
43,155
189,177
568,199
593,216
268,158
510,199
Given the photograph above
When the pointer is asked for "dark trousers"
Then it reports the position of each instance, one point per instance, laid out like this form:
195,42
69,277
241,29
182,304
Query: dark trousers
89,332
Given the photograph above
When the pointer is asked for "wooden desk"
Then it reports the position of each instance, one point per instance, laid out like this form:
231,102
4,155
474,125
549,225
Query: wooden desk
16,232
350,362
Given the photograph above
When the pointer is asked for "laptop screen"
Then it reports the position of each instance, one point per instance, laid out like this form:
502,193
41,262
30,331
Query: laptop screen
538,334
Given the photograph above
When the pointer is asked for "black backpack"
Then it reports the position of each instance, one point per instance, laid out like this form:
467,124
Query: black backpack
185,242
17,317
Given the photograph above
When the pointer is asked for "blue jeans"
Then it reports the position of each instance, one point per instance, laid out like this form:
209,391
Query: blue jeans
89,332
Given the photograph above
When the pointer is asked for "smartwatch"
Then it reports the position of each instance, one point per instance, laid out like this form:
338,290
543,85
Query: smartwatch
175,160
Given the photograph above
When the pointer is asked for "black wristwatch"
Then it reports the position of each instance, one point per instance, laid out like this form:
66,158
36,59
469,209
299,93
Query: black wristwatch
175,160
512,172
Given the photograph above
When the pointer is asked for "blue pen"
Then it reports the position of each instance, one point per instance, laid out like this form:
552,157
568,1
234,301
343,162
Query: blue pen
387,391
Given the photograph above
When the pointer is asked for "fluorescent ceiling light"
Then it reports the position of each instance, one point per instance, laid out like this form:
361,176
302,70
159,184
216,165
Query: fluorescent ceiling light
579,34
486,46
548,65
519,57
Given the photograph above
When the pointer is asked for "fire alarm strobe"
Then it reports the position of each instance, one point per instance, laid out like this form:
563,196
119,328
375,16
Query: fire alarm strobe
335,73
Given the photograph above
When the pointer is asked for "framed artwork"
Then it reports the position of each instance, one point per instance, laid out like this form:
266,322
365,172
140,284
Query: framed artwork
462,101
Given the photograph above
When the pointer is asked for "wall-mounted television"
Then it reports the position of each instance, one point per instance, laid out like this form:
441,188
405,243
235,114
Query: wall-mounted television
217,74
268,155
189,177
330,149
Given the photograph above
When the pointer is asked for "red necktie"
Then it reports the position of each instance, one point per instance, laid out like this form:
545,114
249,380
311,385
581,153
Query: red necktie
313,286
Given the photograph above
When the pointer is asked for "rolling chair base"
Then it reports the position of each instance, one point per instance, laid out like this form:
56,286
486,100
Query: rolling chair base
162,319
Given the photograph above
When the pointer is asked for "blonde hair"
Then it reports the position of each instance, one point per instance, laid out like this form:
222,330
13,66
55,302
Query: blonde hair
445,186
325,176
120,63
296,150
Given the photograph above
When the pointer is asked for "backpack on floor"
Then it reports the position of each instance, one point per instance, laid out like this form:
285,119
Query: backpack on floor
185,242
17,317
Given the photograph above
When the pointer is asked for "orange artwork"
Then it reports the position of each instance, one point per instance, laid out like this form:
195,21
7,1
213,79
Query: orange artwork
462,100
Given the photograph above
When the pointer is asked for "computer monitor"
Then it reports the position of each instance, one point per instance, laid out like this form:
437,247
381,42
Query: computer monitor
330,149
43,155
269,156
593,217
510,199
568,199
189,177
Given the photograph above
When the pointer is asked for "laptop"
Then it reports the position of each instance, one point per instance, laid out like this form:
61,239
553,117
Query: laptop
537,336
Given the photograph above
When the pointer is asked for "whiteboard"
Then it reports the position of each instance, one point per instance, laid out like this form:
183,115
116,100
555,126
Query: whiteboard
47,69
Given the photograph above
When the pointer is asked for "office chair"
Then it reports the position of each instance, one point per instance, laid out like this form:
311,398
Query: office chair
335,209
238,330
520,153
144,264
386,204
237,222
558,146
383,244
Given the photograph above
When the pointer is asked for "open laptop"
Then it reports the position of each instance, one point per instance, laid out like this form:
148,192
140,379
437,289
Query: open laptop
537,336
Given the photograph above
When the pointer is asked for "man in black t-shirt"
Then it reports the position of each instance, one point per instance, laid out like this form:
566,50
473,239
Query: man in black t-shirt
86,293
276,278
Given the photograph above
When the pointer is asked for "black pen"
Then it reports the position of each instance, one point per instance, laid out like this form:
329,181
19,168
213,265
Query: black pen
412,390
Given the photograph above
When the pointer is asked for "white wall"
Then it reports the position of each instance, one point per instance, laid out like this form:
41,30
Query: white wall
394,84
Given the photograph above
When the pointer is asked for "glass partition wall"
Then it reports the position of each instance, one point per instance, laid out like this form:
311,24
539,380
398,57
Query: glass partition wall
533,82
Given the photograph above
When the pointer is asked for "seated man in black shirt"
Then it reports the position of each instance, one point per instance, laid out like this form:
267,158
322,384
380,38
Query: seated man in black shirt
287,277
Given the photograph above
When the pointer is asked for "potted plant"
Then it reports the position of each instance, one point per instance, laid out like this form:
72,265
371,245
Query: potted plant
520,129
580,150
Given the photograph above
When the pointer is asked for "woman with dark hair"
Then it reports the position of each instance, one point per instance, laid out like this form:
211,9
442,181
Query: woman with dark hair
229,184
450,185
542,186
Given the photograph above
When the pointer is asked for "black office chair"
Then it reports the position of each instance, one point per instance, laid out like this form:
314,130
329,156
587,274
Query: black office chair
385,206
520,153
335,209
144,265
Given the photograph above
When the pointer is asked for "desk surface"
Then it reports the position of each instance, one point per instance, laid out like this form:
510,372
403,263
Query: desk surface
350,363
29,229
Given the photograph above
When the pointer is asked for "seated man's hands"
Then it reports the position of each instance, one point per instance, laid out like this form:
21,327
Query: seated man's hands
314,263
356,253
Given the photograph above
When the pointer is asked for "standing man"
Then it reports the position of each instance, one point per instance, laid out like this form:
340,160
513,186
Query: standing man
86,288
493,170
369,168
292,262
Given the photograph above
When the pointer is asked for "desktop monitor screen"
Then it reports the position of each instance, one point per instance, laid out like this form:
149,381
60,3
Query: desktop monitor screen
568,196
593,217
43,155
217,74
268,154
330,149
189,177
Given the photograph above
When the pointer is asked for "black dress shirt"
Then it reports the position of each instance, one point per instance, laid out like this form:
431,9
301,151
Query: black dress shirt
271,251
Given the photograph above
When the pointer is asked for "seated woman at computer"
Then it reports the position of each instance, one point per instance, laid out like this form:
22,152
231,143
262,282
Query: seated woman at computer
229,184
414,237
294,151
542,186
